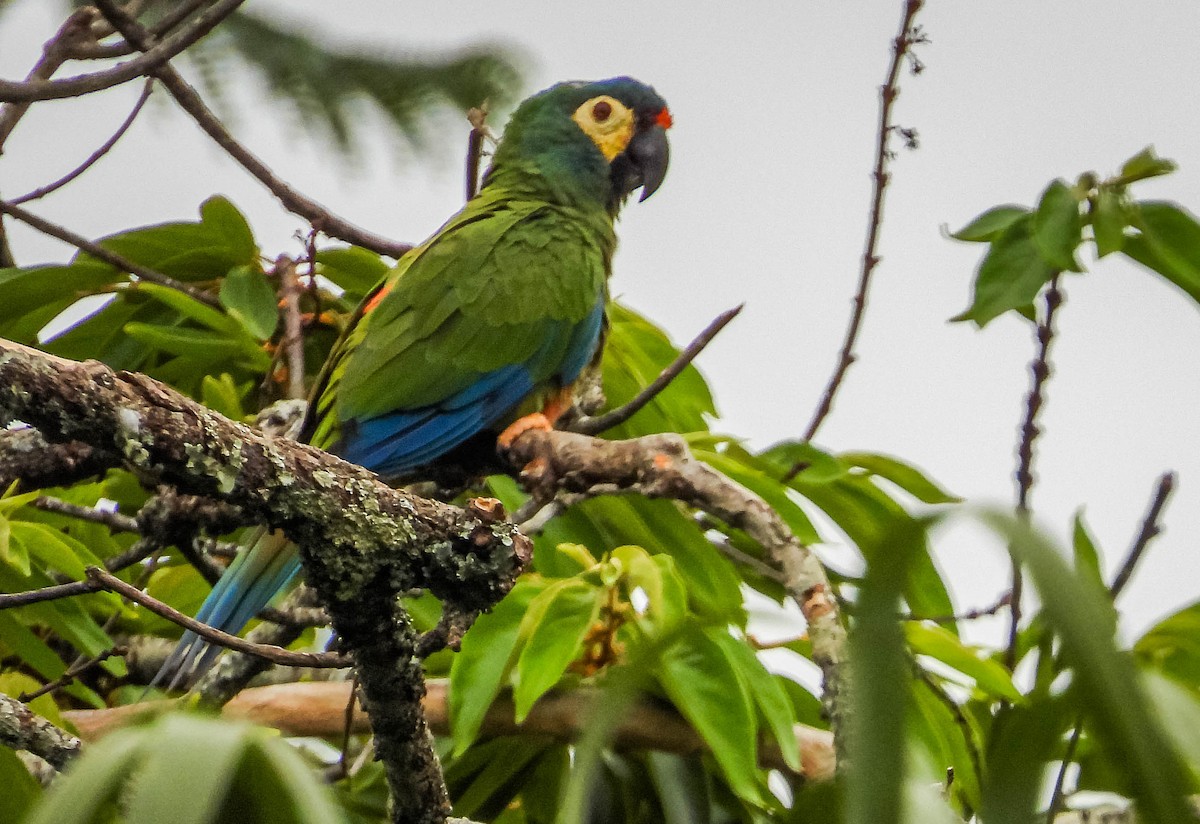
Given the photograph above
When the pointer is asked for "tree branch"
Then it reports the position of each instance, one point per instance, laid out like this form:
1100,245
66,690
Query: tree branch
318,709
1040,373
907,37
362,543
42,191
21,729
602,423
1149,530
143,64
661,466
55,52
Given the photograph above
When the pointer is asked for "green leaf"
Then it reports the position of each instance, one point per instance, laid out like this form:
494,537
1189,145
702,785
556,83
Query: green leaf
482,663
1024,738
226,222
90,787
989,225
945,646
553,631
20,790
635,352
1087,557
1172,646
355,270
1109,690
1169,243
903,475
209,761
501,776
12,550
881,680
1057,226
189,251
817,465
1108,221
248,296
1011,275
1178,708
768,694
680,784
1145,164
34,296
702,684
223,395
656,576
660,527
197,344
190,308
274,785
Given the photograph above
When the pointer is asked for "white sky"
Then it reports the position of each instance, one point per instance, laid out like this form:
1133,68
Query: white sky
775,107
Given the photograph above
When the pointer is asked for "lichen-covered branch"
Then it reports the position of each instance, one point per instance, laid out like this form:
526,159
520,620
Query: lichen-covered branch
22,729
662,466
362,542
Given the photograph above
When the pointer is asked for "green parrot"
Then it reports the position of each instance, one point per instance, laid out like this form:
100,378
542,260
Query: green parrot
484,327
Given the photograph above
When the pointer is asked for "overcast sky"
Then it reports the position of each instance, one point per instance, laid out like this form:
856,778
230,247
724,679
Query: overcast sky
775,107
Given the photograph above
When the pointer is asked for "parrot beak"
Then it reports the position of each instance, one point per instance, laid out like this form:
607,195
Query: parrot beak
649,154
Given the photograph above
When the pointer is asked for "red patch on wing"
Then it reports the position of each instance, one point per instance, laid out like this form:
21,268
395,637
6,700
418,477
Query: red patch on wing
375,298
663,118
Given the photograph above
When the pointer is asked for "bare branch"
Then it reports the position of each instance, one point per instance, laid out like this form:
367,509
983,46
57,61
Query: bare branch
276,655
1040,372
901,45
1150,529
143,64
601,423
94,156
293,329
319,709
100,253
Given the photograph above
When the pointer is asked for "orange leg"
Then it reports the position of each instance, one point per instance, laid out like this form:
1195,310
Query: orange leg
552,410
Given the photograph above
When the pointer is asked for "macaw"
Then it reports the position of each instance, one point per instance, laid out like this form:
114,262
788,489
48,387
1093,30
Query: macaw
482,328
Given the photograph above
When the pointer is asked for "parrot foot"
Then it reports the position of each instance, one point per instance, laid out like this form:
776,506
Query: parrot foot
522,425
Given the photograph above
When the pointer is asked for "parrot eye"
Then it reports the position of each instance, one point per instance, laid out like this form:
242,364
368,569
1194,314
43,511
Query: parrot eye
601,111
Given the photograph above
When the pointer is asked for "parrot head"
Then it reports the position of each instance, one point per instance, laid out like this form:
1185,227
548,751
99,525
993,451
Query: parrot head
600,140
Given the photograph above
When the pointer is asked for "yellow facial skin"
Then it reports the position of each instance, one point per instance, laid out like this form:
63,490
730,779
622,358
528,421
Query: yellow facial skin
608,122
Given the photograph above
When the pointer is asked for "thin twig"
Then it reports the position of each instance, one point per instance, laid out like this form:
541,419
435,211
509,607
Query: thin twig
51,593
970,615
477,117
1149,530
187,97
601,423
82,665
1040,372
143,64
94,156
907,37
100,253
293,328
1056,796
54,53
107,581
170,20
113,520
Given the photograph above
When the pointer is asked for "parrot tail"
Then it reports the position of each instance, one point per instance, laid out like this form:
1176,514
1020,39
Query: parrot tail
267,565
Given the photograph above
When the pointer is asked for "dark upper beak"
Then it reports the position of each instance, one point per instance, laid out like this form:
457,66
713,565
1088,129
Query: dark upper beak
650,154
643,163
